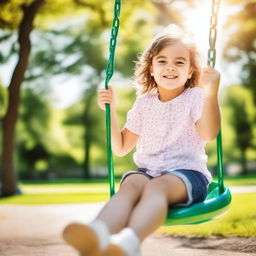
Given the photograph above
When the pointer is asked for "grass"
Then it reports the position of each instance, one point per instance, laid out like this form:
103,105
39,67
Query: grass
56,198
240,220
248,180
62,191
239,180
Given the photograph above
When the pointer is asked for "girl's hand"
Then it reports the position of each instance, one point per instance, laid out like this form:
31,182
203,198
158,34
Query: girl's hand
106,96
209,80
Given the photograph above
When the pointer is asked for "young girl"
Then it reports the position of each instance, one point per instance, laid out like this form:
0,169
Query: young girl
173,117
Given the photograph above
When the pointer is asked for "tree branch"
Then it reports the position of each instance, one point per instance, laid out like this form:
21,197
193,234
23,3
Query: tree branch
5,37
96,8
4,2
4,23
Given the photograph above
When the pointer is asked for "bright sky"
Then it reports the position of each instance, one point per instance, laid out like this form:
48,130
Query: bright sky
198,21
67,89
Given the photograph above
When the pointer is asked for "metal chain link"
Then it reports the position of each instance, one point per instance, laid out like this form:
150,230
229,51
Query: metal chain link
113,40
213,33
211,63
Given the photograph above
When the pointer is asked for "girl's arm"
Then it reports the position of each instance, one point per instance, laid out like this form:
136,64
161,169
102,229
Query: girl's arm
209,123
122,141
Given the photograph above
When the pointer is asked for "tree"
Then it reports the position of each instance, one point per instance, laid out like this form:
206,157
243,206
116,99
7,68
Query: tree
238,101
85,45
20,16
10,118
243,25
33,126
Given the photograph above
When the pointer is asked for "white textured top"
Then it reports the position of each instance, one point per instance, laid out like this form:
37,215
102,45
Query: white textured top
168,136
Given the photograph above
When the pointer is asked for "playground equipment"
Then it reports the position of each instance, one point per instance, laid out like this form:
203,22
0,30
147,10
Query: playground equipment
219,196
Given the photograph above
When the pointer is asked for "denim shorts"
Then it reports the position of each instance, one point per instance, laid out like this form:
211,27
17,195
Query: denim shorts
195,182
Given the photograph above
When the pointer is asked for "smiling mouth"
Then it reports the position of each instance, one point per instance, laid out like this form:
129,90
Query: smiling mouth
170,77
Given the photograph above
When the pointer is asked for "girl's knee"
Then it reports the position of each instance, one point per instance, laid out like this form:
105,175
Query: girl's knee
156,185
133,185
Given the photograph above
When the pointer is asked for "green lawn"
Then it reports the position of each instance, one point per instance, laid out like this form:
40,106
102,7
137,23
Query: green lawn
240,220
56,198
79,191
248,180
240,180
62,193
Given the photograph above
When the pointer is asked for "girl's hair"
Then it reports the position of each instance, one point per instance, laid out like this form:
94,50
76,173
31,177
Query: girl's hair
144,82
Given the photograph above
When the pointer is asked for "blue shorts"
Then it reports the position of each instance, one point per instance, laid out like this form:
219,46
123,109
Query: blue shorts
195,182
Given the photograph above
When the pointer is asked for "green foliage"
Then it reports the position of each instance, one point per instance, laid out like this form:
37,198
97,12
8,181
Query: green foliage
84,45
243,25
238,129
238,115
41,144
53,198
32,135
241,180
51,12
75,120
240,120
79,49
11,14
3,100
72,39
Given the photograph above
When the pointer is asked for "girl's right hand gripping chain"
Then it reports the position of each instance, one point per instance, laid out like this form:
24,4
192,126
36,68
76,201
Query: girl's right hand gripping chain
106,96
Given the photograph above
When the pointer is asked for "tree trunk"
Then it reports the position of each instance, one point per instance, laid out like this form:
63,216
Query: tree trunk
9,120
87,148
88,129
244,162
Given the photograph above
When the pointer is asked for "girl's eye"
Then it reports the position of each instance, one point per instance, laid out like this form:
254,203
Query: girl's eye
180,63
161,61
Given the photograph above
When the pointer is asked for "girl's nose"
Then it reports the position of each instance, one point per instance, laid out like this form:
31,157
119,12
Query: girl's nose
170,69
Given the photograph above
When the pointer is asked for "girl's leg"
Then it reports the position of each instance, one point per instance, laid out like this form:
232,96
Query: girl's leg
149,213
91,239
151,210
116,212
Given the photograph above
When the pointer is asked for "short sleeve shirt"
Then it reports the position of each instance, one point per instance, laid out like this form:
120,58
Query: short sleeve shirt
168,138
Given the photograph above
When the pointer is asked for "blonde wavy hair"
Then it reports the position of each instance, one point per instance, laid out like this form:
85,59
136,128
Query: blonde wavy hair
143,81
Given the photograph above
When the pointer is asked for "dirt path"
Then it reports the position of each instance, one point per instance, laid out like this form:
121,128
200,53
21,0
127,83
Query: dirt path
35,231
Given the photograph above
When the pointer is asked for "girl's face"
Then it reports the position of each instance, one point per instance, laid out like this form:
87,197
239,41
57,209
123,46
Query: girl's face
171,67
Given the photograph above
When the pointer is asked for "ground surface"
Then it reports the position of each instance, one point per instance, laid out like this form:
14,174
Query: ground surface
36,231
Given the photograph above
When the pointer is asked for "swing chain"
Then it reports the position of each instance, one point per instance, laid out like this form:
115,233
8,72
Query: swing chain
109,73
211,63
213,33
113,40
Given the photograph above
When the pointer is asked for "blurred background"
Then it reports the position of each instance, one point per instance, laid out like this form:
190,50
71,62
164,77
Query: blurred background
53,56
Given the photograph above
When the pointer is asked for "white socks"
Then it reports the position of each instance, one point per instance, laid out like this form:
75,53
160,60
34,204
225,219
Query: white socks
103,234
128,241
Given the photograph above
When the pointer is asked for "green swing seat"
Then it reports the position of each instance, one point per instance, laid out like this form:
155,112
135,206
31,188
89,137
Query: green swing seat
214,205
219,196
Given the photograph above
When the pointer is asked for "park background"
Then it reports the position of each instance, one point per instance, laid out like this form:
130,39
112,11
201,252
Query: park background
53,56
